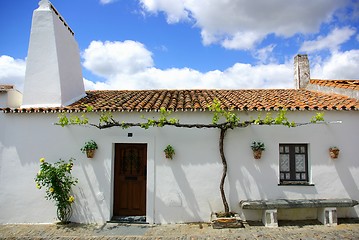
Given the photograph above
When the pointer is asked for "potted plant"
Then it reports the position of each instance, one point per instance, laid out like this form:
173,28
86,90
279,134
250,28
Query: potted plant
169,152
334,152
257,148
89,148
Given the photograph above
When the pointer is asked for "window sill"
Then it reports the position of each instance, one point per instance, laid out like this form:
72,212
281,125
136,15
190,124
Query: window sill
294,183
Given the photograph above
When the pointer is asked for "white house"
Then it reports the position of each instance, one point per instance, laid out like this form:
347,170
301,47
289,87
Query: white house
9,97
185,189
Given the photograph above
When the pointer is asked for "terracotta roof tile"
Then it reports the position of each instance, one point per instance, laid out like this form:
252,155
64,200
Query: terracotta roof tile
182,100
351,84
5,88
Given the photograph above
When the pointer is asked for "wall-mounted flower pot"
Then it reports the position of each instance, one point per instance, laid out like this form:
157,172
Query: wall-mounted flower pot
334,152
257,148
90,153
169,156
169,152
257,154
89,148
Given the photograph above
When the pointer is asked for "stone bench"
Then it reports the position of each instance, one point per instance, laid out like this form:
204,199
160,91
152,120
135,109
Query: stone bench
327,208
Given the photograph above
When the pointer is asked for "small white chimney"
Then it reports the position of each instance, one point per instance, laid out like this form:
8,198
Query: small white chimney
53,75
301,71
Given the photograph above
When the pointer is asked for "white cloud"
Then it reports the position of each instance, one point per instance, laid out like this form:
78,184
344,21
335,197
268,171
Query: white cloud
107,1
264,55
137,71
12,71
108,58
340,65
174,9
240,24
131,71
129,65
332,41
242,40
239,76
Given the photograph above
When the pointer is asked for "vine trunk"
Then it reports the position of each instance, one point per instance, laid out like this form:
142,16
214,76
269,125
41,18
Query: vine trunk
224,173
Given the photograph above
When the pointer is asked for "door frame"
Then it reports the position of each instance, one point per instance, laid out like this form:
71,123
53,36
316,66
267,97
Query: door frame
150,181
130,186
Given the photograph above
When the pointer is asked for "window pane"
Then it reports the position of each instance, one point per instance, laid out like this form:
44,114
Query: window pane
300,163
302,149
304,176
284,162
293,161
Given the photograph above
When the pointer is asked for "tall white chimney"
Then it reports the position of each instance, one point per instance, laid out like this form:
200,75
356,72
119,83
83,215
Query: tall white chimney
53,75
301,71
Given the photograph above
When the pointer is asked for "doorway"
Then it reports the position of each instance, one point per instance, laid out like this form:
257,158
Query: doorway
130,178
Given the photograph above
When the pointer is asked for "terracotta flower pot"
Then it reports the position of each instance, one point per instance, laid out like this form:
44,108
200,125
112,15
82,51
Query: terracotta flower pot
334,152
257,154
90,153
169,155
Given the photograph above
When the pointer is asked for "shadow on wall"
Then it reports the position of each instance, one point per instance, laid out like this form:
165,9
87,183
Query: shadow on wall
186,189
347,162
176,202
81,208
349,183
34,136
347,179
254,179
248,178
181,199
91,202
262,182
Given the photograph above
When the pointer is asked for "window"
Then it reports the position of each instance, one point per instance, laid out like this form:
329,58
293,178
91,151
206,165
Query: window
293,163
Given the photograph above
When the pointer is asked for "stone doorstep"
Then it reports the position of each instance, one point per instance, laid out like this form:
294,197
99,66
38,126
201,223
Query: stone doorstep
128,219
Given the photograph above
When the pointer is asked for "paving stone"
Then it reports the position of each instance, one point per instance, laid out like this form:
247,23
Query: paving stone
306,230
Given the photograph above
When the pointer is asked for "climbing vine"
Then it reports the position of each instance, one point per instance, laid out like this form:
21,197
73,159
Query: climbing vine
231,121
57,179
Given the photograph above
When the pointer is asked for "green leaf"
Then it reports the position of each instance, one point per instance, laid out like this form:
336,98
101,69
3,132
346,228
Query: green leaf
318,117
89,108
63,120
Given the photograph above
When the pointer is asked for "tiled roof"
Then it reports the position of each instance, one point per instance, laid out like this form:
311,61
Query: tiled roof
5,88
199,100
348,84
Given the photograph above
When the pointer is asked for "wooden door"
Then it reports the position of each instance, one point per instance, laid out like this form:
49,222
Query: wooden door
130,180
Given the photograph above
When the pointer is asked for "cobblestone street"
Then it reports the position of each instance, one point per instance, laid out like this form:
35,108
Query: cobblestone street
347,229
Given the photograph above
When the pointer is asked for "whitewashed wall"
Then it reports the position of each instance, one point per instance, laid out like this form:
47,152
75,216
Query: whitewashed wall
185,189
10,98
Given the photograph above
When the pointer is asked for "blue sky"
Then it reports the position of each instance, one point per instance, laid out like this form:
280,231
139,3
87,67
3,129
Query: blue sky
149,44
